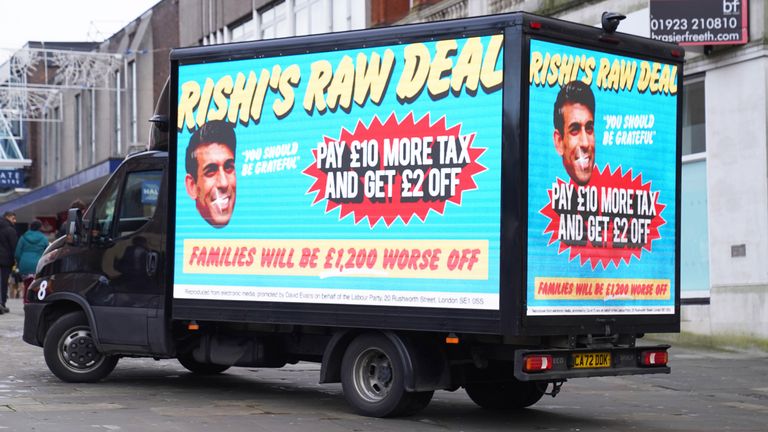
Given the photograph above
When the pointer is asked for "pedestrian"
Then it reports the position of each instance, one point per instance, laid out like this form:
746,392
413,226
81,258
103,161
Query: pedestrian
8,240
28,252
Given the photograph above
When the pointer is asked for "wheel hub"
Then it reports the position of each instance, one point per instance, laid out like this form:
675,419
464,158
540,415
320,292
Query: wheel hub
79,350
374,375
384,373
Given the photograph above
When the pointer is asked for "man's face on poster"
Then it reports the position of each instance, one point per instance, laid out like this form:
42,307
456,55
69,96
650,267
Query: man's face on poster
214,187
576,143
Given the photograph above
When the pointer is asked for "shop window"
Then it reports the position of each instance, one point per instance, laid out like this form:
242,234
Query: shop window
694,131
694,220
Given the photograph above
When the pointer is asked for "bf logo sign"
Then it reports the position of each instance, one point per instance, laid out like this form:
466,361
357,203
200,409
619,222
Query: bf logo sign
731,7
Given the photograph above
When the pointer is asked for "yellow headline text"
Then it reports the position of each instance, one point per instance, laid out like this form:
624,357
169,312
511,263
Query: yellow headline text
551,69
242,95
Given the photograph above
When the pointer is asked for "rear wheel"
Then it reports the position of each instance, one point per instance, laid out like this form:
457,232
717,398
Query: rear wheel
70,351
194,366
373,379
505,395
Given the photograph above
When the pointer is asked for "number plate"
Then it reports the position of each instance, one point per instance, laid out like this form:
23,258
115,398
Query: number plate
592,360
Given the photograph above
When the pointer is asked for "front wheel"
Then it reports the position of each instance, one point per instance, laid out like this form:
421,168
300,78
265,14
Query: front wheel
70,351
373,377
505,395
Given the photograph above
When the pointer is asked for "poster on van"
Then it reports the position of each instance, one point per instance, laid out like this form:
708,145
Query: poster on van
359,177
602,183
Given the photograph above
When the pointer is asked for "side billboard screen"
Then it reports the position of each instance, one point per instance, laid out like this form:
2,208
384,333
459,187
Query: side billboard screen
602,183
353,177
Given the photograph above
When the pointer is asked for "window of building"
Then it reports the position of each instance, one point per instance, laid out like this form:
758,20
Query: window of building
342,15
293,18
16,130
118,119
243,31
56,139
274,22
45,156
78,130
694,132
694,220
92,125
133,98
311,17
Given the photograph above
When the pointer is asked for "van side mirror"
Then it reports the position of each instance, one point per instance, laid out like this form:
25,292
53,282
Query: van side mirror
74,225
160,121
158,132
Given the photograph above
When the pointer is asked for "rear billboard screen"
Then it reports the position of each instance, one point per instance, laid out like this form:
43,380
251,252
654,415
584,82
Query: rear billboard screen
602,183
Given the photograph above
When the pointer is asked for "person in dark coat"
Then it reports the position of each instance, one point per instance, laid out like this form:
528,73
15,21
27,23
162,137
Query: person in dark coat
8,240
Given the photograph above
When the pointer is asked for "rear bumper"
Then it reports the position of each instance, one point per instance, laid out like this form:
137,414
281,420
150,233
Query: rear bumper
624,361
33,313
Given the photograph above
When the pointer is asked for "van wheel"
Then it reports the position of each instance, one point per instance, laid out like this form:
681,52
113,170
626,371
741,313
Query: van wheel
506,395
194,366
372,377
70,351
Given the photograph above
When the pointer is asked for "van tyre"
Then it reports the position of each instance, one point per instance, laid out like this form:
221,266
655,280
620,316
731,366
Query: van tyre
70,351
505,395
194,366
373,377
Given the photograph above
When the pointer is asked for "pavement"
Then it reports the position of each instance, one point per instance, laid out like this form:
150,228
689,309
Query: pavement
708,390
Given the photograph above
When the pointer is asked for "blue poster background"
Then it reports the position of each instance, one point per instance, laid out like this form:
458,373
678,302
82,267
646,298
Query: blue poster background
655,162
277,205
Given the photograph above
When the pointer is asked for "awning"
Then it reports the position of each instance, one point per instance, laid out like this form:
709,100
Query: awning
53,198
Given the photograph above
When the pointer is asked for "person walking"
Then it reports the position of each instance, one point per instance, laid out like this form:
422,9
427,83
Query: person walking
28,252
8,240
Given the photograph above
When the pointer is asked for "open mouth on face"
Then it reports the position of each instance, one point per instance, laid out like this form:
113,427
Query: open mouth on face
583,161
220,203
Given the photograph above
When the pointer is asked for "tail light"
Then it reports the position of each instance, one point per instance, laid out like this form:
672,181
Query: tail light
537,363
654,358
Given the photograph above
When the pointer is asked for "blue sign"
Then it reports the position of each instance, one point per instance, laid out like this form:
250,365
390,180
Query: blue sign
149,192
12,178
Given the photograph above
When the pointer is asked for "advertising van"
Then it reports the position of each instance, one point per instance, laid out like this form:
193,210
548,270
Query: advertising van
490,204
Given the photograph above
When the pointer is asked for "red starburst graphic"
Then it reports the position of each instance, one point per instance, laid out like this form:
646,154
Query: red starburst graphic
384,171
612,219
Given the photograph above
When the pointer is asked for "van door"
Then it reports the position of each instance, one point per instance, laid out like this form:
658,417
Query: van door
126,241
